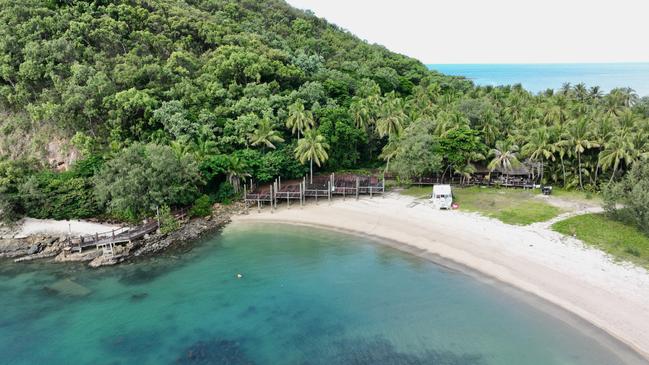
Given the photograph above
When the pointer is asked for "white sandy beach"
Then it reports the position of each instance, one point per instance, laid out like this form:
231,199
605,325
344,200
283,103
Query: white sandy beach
612,296
30,226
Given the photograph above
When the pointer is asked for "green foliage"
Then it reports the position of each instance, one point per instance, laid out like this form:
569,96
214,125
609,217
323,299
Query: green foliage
58,196
628,199
233,85
12,175
419,152
168,223
143,177
225,193
202,207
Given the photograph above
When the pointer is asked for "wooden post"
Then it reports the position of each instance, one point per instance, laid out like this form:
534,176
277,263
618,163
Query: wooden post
275,194
358,184
329,191
271,198
258,205
301,196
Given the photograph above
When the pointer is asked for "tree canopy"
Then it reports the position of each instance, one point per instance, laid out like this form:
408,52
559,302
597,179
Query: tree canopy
215,82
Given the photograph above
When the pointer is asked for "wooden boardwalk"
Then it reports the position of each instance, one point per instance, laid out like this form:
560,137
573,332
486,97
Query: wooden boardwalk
106,240
322,187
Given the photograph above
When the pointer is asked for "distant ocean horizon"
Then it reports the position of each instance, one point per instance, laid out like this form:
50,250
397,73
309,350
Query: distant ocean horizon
539,77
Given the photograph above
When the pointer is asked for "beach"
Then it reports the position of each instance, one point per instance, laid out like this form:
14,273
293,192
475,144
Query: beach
612,296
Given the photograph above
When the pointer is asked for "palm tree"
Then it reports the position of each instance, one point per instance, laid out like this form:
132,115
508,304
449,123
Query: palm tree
236,171
390,151
362,111
619,149
299,120
313,148
204,147
392,118
265,135
539,148
578,140
505,157
465,171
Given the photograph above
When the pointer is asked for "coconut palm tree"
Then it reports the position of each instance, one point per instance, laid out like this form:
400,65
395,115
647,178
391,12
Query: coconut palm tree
619,149
390,151
392,119
299,120
265,135
505,157
313,148
539,147
465,172
236,171
578,140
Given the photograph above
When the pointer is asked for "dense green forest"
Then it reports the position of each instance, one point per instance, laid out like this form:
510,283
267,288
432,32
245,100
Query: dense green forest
172,102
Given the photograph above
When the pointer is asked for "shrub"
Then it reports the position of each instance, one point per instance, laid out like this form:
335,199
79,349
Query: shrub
225,193
143,177
168,223
628,199
202,207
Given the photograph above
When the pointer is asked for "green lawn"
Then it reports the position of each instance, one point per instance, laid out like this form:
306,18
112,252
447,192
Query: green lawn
577,195
622,241
512,206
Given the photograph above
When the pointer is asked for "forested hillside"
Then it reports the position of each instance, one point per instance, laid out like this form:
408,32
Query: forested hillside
170,102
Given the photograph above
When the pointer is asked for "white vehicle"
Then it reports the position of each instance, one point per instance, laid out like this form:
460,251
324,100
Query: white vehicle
442,196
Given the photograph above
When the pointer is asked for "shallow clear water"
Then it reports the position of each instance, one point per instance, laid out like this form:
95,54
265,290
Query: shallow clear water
539,77
307,296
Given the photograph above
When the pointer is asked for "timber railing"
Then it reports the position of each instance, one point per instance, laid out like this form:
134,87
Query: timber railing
320,187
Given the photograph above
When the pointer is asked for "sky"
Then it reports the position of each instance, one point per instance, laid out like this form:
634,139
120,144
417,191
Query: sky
497,31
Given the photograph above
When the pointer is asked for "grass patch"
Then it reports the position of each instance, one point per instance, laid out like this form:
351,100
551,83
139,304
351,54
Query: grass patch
623,241
419,192
512,206
578,195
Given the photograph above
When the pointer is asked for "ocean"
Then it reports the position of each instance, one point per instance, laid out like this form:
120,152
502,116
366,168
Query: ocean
306,296
539,77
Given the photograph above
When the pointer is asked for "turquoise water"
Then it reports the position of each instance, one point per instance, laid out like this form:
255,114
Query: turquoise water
307,296
539,77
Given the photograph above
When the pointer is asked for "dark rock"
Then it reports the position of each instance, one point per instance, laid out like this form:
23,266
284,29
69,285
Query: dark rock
33,249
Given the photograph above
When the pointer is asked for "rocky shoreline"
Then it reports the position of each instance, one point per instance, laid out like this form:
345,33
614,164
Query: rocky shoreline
54,247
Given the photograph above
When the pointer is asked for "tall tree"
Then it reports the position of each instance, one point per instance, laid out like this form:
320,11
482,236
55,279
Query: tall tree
539,148
264,135
299,120
504,157
312,147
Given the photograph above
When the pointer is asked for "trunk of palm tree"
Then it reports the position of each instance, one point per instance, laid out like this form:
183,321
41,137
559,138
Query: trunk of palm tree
563,168
613,175
581,185
311,168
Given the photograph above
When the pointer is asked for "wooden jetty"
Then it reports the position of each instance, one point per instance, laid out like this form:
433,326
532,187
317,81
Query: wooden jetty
322,186
107,240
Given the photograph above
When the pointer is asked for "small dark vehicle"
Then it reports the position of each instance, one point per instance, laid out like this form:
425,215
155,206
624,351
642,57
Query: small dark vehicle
546,190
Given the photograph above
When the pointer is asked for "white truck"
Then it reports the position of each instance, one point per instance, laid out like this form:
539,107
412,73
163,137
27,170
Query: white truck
442,196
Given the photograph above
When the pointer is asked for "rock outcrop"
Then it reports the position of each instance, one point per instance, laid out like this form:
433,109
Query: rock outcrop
40,247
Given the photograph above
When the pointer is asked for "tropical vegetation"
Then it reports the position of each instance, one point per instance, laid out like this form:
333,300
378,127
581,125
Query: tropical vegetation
228,91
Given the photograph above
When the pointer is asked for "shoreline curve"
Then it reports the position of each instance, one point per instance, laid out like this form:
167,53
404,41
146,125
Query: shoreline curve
365,218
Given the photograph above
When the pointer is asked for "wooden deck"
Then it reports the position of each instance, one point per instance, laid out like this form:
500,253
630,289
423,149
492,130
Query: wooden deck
106,240
323,186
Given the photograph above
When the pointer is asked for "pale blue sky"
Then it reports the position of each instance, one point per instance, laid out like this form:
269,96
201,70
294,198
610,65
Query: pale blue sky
497,31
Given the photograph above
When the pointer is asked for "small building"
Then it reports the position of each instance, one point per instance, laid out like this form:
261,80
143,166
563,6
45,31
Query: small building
442,196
